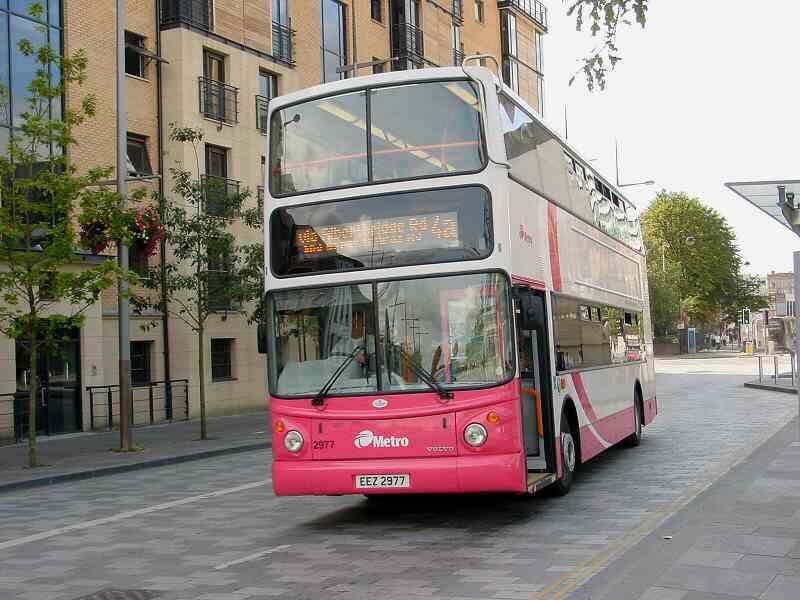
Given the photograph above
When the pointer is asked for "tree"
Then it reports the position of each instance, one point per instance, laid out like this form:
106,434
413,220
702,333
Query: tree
209,271
44,283
604,18
694,264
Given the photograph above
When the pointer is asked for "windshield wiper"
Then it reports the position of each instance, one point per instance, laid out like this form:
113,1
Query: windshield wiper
425,376
320,397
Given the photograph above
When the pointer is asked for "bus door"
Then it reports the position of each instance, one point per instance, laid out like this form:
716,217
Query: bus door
531,335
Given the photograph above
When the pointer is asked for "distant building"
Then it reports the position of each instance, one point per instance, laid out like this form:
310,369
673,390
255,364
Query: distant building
780,292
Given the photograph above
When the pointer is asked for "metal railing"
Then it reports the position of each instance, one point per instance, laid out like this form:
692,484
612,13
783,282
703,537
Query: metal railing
218,195
782,366
155,402
198,13
260,198
407,46
533,9
458,57
283,43
262,106
218,100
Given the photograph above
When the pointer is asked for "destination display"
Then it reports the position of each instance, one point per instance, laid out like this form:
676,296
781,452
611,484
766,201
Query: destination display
394,234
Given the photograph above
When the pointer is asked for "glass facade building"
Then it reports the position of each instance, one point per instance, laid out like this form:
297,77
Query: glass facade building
17,70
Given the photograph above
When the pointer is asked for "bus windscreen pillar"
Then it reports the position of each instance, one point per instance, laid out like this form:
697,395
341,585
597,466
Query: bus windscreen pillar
796,336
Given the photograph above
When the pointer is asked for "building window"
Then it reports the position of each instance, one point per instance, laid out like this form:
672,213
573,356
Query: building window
509,43
458,46
378,68
138,159
134,60
140,363
479,11
334,40
139,262
214,66
220,279
280,12
376,10
221,359
267,84
18,70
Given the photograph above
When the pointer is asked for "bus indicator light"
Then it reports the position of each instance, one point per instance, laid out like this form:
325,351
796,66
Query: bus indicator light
493,418
279,427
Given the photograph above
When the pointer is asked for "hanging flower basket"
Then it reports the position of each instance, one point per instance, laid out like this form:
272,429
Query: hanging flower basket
141,228
146,230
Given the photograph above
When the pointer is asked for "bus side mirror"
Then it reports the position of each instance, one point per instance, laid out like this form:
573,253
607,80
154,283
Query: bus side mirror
262,338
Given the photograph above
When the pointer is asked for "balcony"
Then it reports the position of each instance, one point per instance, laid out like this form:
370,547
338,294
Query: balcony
220,298
221,195
282,42
262,106
198,13
527,81
533,9
219,101
407,47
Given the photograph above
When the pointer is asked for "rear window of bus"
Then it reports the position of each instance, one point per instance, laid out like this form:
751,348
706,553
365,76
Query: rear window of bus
376,135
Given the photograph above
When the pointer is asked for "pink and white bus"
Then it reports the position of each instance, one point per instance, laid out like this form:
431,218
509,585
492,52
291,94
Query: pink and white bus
456,301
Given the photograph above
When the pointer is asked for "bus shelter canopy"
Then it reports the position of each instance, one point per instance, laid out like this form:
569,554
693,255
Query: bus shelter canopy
779,199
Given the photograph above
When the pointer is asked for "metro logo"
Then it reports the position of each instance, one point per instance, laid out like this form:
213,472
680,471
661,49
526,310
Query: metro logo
367,439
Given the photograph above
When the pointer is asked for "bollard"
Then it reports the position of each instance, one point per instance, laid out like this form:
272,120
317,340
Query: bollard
775,369
760,369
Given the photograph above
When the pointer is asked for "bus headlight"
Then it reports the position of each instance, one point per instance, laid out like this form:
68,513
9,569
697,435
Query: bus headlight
475,435
293,441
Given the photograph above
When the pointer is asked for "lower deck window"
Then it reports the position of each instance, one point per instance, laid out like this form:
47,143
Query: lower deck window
592,335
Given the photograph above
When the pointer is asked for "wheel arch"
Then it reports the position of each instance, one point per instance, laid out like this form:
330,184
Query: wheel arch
638,397
568,409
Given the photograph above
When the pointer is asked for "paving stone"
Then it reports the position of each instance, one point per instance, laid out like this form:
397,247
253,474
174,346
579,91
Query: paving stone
660,593
710,579
783,588
709,558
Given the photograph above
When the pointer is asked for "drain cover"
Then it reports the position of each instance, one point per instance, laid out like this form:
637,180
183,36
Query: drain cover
111,594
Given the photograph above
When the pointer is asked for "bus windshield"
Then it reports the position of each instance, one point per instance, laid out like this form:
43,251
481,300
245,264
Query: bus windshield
456,328
380,134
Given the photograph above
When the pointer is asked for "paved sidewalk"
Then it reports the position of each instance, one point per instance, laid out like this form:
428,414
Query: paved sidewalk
89,454
738,540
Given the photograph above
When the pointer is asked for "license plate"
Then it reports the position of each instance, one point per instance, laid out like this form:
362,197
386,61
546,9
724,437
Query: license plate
395,480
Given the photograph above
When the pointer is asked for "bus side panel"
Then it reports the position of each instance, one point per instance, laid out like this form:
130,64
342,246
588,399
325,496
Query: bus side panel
528,235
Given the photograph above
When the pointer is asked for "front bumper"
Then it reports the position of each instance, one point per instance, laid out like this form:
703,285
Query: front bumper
457,474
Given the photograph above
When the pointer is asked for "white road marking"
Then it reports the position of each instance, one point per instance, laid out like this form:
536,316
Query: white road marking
44,535
250,557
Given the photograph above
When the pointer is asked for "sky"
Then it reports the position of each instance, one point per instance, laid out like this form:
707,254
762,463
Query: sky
707,93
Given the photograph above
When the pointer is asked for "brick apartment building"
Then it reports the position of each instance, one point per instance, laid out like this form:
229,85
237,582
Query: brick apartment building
214,65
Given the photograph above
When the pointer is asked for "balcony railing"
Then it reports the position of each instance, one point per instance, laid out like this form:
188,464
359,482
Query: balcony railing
282,43
260,197
198,13
219,101
407,47
262,106
533,9
458,57
220,195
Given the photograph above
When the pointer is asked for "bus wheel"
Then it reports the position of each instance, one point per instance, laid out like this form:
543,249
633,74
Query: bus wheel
569,458
635,438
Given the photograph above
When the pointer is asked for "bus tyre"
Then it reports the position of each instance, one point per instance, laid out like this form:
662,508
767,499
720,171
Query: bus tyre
635,438
569,458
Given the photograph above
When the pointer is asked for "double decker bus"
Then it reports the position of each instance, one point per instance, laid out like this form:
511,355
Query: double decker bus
455,300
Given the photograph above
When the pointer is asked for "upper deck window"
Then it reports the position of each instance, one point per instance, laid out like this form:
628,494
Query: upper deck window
416,130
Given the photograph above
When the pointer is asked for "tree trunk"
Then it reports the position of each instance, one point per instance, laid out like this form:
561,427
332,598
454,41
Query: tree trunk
33,460
201,364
